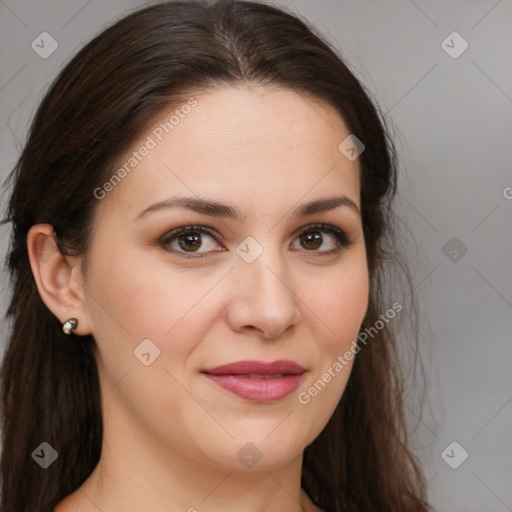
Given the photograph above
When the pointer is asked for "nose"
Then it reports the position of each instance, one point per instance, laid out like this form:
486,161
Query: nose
263,298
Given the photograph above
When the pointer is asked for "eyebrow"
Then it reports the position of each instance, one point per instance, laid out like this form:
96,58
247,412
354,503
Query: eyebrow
216,209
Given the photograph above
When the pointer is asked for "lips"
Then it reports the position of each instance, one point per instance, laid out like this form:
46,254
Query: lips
284,367
258,381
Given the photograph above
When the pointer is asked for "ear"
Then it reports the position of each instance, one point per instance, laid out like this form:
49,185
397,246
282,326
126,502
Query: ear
58,278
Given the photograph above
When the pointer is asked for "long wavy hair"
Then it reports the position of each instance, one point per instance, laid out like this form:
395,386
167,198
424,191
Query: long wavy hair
100,103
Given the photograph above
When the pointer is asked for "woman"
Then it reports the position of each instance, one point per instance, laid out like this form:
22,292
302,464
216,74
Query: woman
201,222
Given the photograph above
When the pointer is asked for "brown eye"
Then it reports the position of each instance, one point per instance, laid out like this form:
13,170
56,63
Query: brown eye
311,240
188,240
314,237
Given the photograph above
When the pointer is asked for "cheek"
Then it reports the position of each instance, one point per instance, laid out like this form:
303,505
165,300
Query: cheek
134,299
339,306
340,303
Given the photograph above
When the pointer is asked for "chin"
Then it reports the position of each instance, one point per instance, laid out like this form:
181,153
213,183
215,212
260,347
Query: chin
257,452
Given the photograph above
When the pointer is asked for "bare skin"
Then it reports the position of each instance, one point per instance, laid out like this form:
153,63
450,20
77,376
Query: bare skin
171,435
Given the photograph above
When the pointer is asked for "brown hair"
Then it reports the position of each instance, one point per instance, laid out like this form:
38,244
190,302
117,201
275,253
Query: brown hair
97,107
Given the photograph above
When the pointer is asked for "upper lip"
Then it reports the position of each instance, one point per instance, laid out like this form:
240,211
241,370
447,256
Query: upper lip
283,366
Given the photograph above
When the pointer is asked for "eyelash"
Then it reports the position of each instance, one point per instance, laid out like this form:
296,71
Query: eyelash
342,238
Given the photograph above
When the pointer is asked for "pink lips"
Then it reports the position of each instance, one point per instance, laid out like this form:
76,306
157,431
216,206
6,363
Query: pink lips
258,381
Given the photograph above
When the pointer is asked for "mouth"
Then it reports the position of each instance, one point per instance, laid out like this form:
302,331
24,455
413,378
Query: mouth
258,381
260,376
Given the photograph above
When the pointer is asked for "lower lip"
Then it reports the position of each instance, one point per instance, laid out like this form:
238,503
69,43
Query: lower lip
258,390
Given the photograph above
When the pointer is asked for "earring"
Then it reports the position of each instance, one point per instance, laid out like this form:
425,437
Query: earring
69,325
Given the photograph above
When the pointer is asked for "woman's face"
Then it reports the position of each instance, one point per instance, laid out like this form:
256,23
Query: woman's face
262,282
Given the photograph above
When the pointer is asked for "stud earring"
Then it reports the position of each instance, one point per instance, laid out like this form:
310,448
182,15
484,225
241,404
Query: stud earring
69,325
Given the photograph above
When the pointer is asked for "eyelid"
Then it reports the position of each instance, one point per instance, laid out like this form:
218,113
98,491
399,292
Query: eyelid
343,239
169,235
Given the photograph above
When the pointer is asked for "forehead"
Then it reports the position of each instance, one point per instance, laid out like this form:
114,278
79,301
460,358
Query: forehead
239,144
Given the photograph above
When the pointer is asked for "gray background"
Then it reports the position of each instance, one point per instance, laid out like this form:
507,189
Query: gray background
452,122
